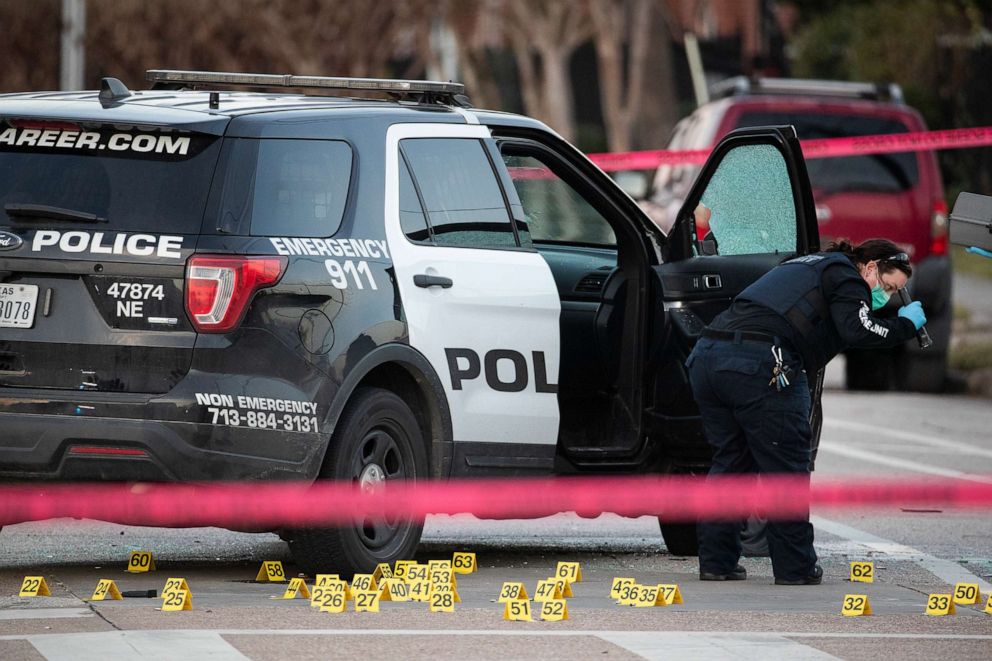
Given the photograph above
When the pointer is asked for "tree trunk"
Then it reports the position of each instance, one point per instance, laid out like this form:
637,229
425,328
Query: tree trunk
559,103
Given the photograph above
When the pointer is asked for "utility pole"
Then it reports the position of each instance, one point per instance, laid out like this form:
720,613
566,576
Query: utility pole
73,60
445,48
696,71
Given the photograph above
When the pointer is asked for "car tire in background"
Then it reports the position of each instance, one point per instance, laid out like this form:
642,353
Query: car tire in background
376,439
868,369
680,538
922,373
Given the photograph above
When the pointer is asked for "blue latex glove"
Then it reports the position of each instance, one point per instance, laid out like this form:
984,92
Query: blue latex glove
979,251
914,312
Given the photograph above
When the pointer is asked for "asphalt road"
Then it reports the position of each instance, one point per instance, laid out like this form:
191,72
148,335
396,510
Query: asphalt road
915,553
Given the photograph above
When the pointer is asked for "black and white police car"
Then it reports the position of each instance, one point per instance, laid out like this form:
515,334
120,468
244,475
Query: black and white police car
217,285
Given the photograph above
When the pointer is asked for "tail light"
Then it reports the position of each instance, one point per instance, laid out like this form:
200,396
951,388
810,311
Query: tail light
938,228
219,288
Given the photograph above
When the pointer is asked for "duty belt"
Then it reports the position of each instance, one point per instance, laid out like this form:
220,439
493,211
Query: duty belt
738,336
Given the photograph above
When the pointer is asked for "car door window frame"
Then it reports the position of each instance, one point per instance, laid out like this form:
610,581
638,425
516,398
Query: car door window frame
683,235
487,146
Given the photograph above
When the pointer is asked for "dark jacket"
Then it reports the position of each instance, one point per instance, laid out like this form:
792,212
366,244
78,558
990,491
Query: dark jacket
818,305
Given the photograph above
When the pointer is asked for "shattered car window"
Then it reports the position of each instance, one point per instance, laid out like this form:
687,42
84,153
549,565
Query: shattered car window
751,201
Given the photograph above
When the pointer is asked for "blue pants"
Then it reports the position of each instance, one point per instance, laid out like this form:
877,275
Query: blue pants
753,428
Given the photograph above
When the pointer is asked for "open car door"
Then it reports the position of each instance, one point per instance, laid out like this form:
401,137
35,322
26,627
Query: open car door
756,193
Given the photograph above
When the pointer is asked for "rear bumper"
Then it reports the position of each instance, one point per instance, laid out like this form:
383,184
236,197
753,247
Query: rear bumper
59,447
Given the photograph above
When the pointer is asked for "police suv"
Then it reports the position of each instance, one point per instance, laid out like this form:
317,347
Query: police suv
219,285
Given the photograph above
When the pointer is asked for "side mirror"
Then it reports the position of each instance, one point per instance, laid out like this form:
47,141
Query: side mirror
971,221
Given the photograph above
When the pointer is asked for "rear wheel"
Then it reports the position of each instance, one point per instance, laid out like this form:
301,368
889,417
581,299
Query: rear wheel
868,370
680,538
377,439
922,372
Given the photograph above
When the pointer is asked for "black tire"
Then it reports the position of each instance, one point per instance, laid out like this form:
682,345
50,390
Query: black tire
868,370
922,372
377,438
680,538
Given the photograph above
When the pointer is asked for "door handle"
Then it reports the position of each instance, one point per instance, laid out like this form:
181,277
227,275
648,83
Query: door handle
424,280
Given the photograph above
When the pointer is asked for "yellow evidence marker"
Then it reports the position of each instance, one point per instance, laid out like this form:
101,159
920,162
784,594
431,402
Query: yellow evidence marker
324,579
140,561
647,597
317,594
855,604
862,572
419,590
382,571
967,593
363,583
988,604
445,588
340,586
271,571
367,602
435,565
555,610
564,586
629,593
570,571
105,587
517,610
940,604
549,588
173,584
619,583
670,594
511,591
34,586
400,567
178,600
443,577
398,590
331,601
297,588
416,572
442,601
464,563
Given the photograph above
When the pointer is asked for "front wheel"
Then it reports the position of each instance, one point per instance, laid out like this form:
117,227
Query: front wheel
377,439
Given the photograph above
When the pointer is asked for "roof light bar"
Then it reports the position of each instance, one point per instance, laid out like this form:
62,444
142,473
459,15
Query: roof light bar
289,80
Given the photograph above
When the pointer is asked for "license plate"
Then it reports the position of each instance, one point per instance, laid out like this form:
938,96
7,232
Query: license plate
17,305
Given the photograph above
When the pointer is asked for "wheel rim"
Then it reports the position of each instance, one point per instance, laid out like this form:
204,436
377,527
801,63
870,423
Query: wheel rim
382,454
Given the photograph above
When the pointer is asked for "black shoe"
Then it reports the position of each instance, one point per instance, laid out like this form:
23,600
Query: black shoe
737,574
815,578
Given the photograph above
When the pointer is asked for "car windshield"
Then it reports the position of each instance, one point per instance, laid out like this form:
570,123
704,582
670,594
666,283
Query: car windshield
123,180
889,173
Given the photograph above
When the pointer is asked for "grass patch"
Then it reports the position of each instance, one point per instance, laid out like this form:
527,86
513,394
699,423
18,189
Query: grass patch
965,262
972,355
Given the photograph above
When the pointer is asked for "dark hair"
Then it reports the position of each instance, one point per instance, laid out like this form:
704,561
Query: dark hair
887,254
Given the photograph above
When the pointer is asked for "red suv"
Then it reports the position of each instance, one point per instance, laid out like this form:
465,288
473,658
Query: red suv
896,196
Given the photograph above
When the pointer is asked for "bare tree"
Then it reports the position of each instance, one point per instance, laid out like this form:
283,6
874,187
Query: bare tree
125,37
469,20
544,35
620,25
29,48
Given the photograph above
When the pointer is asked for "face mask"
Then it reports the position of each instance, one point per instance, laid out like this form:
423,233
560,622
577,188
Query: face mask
879,297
